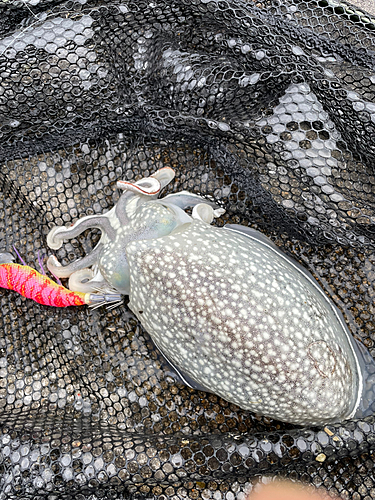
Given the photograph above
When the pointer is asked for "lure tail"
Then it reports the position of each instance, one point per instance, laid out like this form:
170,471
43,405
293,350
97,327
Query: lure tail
109,298
38,287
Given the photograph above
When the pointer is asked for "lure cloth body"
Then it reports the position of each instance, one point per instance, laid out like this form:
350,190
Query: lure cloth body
38,287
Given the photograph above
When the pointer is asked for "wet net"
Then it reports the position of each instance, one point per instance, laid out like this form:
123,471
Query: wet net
267,107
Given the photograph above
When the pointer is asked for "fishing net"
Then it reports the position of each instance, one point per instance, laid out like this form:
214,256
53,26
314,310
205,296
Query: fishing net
266,107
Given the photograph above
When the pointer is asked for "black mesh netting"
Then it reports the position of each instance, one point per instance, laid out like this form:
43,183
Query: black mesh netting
266,107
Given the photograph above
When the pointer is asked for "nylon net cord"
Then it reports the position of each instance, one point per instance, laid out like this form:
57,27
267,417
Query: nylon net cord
266,107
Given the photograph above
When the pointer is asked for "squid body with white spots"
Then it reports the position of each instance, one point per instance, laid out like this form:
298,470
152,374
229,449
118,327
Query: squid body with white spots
232,313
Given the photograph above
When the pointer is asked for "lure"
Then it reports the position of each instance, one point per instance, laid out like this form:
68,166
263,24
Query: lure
40,288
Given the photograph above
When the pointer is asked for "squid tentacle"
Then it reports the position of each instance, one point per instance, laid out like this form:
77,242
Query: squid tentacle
58,234
86,280
185,199
61,271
